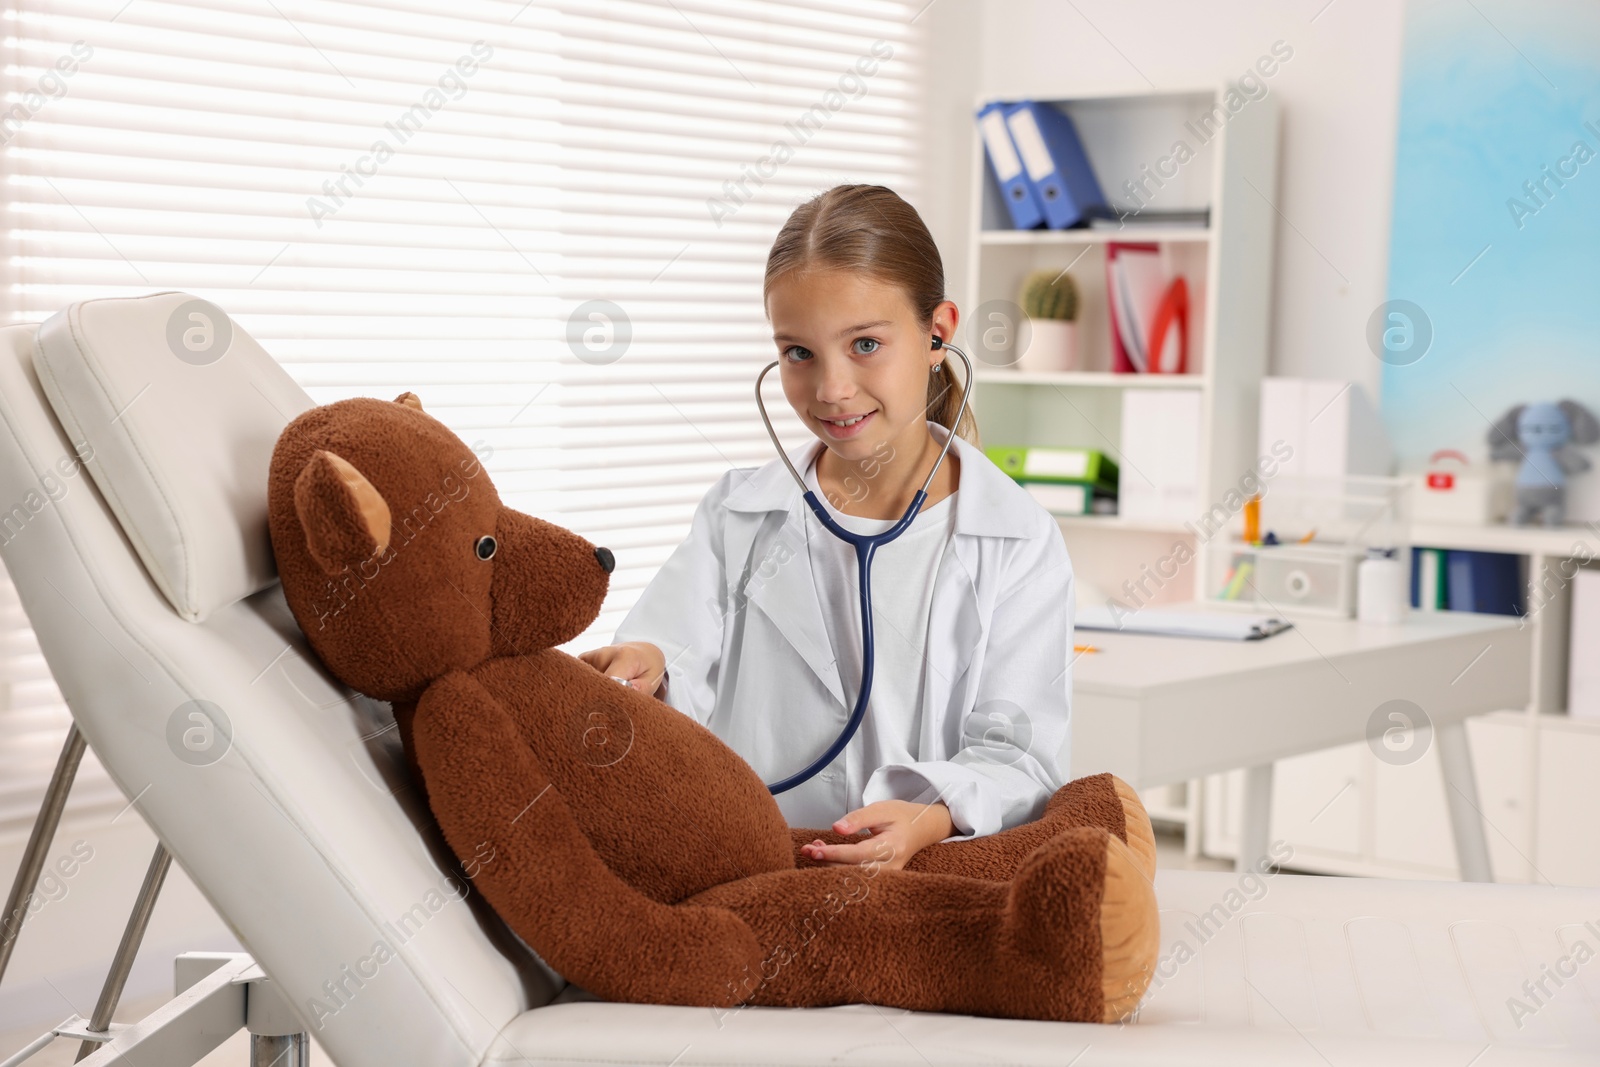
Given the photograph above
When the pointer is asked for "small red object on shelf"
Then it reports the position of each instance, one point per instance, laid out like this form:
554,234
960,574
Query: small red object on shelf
1173,312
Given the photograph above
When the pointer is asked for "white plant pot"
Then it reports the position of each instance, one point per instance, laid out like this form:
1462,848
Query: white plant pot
1053,347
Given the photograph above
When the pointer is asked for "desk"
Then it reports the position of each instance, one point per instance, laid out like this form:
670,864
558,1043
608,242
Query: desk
1156,710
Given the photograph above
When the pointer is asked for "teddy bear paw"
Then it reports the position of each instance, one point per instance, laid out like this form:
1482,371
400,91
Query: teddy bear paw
1083,909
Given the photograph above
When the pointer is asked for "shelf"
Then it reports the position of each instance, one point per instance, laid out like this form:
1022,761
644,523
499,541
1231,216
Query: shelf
1522,540
1548,720
1094,237
1106,379
1117,522
1561,721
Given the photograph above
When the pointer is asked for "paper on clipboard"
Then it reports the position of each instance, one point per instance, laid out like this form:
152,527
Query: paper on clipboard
1227,626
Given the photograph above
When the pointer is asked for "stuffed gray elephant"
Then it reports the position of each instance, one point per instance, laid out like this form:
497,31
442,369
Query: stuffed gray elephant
1542,436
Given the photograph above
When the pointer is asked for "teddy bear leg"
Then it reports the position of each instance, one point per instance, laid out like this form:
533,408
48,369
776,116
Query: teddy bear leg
1072,939
533,863
1115,922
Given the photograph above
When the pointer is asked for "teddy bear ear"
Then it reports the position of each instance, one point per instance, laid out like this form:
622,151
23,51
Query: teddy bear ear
345,518
409,399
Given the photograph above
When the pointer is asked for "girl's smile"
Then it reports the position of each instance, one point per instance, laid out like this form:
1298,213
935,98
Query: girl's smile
846,427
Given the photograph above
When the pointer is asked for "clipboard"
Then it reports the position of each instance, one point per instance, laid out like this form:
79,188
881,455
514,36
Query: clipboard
1226,626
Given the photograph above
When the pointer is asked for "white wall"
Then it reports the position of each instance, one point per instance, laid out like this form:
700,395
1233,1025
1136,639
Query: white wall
1339,99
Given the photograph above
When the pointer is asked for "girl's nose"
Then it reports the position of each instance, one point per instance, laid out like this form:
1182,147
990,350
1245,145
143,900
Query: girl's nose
834,383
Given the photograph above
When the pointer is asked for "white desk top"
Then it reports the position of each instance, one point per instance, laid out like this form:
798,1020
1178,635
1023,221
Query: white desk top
1133,665
1157,709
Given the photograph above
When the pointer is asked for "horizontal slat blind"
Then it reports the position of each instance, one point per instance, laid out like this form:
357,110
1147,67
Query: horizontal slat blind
395,196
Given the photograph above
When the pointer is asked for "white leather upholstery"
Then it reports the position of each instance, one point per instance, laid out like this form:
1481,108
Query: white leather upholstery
304,838
181,444
1313,971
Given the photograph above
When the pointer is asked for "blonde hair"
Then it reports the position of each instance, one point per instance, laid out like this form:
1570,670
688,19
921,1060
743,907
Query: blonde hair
869,229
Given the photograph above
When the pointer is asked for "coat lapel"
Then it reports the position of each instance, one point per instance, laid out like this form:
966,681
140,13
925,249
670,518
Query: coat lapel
782,585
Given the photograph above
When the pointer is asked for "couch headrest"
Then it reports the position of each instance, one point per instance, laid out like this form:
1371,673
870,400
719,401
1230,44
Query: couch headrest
181,409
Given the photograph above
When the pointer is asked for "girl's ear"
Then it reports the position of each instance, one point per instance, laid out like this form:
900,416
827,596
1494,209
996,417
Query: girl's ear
946,317
345,518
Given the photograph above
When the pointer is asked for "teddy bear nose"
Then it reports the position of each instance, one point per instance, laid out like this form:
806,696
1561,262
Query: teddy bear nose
607,560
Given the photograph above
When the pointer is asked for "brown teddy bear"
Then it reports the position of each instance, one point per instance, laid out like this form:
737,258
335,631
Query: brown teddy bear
637,853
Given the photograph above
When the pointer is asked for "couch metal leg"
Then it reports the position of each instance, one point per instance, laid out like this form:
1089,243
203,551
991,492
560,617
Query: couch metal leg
44,831
111,992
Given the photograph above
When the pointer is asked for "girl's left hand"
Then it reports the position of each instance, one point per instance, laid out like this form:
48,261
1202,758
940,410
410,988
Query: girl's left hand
899,829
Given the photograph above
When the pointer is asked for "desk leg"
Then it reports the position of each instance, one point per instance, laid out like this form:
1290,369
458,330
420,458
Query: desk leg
1257,817
1461,797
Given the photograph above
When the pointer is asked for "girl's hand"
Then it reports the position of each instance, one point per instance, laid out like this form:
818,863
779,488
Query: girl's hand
899,829
639,663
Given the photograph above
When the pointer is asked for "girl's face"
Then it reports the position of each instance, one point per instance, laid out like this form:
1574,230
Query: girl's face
849,348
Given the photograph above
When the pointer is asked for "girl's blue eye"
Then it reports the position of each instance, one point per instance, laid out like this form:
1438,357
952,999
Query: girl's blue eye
870,341
795,348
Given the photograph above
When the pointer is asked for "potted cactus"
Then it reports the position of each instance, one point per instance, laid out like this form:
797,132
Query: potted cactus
1050,300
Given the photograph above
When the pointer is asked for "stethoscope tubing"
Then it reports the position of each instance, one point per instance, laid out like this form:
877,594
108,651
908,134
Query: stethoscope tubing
865,545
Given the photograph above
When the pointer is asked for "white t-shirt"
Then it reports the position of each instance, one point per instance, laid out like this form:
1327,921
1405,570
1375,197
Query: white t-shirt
902,593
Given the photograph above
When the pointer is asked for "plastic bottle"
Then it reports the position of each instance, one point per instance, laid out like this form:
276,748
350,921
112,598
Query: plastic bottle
1381,593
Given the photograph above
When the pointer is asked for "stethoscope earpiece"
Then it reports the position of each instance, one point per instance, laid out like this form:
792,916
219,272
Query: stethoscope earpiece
938,342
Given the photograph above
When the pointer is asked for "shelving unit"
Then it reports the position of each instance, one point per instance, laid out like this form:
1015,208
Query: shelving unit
1226,263
1232,169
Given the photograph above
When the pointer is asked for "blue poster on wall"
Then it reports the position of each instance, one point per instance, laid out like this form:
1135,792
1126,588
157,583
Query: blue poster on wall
1494,262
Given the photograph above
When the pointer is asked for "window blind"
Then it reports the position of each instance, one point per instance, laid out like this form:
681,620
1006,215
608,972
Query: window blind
549,220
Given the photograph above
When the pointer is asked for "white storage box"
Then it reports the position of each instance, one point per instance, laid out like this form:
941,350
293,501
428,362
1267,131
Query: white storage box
1583,656
1295,579
1452,490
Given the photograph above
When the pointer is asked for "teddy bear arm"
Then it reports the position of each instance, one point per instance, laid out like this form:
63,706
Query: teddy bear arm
495,803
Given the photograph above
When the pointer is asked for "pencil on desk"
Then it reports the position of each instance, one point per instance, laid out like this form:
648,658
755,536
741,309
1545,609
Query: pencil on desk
1084,648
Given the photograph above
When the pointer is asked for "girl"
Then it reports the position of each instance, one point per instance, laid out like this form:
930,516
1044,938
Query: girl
753,624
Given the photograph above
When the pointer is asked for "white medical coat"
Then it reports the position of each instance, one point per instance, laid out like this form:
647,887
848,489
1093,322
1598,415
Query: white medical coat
735,610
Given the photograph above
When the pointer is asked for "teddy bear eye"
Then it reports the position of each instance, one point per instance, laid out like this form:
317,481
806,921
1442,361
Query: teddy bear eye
485,547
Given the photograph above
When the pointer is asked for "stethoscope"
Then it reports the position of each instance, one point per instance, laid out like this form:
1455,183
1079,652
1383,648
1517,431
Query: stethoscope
865,545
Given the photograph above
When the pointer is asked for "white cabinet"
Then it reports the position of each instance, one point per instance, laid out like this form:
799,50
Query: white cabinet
1567,846
1317,801
1346,812
1409,821
1500,758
